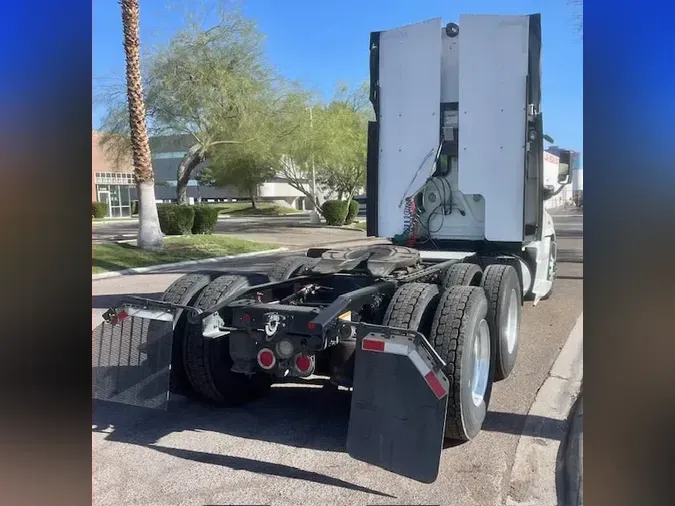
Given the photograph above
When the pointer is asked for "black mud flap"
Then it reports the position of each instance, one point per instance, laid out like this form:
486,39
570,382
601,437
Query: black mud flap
399,402
131,361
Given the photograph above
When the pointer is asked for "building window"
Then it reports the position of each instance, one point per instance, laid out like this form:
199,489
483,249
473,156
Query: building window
120,178
118,198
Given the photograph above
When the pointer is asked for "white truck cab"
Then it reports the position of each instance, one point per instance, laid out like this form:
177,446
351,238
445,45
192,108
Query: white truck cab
456,152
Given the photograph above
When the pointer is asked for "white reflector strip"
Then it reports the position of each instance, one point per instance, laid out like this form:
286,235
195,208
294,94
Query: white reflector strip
421,366
405,347
430,377
396,348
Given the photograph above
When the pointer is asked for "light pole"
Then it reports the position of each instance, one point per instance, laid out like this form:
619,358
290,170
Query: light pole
314,216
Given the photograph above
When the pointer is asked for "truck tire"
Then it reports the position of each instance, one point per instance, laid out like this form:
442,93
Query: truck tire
461,335
183,291
291,266
207,361
503,291
412,307
462,274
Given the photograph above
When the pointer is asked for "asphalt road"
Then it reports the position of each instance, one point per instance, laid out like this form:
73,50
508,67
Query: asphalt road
290,447
288,231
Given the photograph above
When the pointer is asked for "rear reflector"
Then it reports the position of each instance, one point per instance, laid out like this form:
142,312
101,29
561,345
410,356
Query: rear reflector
372,345
407,348
435,385
266,358
122,315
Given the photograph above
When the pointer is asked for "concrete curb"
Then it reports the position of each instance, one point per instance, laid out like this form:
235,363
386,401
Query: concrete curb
571,474
280,215
535,468
152,268
346,227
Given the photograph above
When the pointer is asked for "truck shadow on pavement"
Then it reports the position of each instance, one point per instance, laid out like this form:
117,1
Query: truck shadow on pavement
297,416
514,423
303,417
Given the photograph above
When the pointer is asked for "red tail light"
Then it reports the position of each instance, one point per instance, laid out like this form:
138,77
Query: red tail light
304,364
266,359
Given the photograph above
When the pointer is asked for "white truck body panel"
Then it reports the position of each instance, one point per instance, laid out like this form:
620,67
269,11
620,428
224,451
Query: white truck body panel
493,65
449,68
482,71
410,79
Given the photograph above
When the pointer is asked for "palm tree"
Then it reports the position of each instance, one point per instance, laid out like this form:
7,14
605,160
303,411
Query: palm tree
149,233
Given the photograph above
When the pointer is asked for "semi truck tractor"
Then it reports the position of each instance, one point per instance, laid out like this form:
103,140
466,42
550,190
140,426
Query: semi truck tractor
416,328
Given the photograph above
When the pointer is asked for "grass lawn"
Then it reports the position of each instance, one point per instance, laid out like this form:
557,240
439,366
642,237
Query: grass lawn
116,257
245,209
361,225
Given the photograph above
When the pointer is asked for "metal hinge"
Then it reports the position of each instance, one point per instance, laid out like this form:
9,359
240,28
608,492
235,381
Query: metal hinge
532,112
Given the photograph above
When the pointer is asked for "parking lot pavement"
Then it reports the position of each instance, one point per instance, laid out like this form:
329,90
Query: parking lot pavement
290,447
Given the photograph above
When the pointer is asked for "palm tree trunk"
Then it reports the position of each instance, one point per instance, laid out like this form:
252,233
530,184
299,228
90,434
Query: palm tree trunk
149,232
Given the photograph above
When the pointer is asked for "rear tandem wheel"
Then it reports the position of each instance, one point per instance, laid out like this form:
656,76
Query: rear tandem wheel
503,292
183,291
462,274
289,267
207,361
454,323
461,336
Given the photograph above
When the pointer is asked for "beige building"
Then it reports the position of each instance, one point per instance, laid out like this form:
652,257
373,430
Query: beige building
113,183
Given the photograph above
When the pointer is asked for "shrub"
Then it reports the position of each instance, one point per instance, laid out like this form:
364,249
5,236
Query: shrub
134,207
353,211
175,219
334,211
205,220
99,209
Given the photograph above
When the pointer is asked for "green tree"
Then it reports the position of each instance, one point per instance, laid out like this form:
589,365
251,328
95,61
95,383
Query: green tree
343,137
294,152
246,169
212,84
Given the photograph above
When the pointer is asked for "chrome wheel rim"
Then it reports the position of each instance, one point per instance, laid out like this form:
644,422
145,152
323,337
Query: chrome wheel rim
481,363
512,322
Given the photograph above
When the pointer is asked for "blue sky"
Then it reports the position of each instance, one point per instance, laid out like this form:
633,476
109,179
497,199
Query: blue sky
320,42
